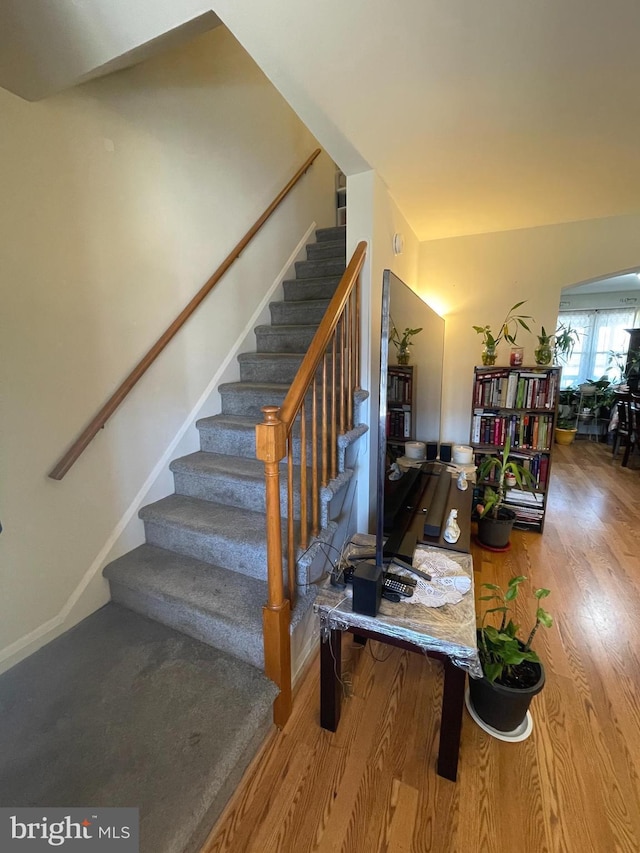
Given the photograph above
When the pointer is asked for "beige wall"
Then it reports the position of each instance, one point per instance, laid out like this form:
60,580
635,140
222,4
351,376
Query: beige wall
374,217
475,280
120,199
46,47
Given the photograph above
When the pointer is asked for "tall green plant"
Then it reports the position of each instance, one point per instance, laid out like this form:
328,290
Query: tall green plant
500,648
496,468
508,328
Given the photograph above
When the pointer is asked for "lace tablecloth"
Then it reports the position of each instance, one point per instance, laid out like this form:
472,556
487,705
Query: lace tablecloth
449,629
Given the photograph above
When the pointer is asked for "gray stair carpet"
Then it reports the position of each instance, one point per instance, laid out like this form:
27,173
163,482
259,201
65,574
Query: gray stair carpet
123,711
202,569
159,700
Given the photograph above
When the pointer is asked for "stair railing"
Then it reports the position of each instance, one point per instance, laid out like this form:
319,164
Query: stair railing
317,409
91,430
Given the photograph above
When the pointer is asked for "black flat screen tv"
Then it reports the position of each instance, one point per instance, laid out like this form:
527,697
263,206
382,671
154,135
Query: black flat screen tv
403,308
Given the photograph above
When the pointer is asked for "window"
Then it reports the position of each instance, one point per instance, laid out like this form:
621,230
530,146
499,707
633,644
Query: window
600,332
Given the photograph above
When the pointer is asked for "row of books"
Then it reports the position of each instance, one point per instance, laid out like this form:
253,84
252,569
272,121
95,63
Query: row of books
399,387
538,467
526,515
533,432
512,389
399,423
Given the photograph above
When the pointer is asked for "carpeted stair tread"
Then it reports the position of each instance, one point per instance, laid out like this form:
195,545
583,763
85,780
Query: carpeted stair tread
335,232
289,357
270,366
213,464
327,249
265,387
205,601
320,267
324,287
235,434
205,516
234,480
290,338
215,533
141,715
290,313
249,397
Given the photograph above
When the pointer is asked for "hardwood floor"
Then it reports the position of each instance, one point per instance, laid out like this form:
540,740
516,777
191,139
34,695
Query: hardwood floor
572,786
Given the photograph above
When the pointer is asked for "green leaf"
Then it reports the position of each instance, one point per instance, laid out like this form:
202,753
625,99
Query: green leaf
518,579
511,593
511,629
542,593
492,671
491,586
545,618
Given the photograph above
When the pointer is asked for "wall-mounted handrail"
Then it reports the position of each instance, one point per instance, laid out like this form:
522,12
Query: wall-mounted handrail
79,445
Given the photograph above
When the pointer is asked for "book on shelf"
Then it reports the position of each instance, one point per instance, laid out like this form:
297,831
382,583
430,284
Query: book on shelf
513,389
525,431
521,496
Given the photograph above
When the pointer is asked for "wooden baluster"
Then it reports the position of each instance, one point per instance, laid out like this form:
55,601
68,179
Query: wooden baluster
350,363
315,502
276,614
343,401
291,533
325,446
357,340
334,414
304,524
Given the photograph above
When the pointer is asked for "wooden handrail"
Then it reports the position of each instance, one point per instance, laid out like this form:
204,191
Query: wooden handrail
91,430
322,337
274,442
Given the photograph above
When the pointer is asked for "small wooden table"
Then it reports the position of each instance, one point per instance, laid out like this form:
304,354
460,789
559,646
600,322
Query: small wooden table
447,633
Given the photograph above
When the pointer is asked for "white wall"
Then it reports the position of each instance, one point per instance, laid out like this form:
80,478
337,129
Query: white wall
605,299
121,198
475,280
373,216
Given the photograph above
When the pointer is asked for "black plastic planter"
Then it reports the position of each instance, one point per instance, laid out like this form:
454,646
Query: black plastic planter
503,708
496,532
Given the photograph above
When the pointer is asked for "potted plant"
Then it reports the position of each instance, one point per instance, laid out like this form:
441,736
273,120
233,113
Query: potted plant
508,330
495,521
402,343
558,346
512,671
543,353
627,365
565,431
564,340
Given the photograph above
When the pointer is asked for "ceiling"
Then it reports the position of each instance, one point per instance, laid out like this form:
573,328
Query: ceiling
479,117
614,284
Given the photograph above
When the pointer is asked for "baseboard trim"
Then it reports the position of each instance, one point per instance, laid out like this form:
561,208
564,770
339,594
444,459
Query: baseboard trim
72,612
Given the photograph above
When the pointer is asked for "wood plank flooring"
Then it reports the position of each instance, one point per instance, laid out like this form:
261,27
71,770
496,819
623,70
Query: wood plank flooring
572,786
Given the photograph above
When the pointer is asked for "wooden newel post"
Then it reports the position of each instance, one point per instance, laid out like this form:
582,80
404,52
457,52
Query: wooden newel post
271,448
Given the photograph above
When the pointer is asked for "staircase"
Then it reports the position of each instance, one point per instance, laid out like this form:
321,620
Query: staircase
202,569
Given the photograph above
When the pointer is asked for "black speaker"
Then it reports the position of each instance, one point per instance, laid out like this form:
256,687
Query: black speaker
445,452
367,588
432,451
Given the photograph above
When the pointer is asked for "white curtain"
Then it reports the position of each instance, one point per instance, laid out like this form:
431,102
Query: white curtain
601,331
